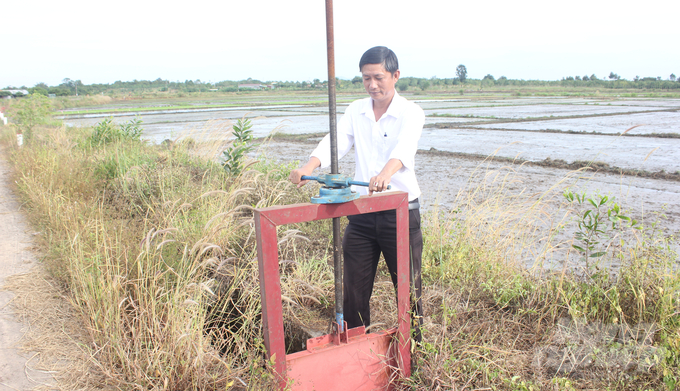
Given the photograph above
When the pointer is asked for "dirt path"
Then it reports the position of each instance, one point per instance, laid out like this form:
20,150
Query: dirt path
19,369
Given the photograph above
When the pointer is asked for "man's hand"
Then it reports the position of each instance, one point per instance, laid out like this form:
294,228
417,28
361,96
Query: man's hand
379,182
296,175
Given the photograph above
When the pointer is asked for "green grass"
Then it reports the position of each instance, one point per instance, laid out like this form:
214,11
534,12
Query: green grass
196,107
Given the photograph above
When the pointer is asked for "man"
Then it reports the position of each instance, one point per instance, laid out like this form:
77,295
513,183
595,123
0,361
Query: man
384,130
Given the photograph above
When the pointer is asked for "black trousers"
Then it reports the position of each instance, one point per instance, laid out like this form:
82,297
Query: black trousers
366,237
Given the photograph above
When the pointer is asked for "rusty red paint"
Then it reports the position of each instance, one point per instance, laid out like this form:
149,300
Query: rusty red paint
360,362
266,221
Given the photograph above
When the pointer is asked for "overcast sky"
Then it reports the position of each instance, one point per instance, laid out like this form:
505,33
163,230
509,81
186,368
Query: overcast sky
101,42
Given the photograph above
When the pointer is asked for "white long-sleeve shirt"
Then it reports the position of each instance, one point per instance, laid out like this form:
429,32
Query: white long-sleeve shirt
394,136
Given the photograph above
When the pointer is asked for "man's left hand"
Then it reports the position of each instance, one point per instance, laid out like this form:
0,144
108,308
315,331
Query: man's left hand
378,183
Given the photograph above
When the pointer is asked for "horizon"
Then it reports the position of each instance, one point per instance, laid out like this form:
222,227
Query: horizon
599,78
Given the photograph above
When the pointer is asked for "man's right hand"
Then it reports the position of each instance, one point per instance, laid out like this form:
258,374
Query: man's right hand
296,175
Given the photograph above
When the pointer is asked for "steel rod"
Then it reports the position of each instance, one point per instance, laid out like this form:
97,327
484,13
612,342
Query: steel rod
330,49
337,243
334,183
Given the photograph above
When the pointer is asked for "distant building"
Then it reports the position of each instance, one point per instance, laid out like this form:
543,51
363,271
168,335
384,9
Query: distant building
250,86
9,94
255,86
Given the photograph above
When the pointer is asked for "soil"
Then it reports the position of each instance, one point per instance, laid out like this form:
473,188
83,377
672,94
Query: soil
443,175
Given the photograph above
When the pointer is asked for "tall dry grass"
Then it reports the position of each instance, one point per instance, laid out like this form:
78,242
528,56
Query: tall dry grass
502,278
68,102
156,247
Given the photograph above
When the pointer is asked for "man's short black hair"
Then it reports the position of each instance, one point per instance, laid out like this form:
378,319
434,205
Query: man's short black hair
380,55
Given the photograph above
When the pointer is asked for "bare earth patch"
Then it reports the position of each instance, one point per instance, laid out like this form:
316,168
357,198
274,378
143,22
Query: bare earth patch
442,176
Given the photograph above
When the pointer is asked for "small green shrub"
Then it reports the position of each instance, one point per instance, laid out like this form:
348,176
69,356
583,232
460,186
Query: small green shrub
598,217
243,144
106,131
31,112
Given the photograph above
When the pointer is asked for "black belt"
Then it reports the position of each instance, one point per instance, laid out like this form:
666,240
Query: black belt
415,204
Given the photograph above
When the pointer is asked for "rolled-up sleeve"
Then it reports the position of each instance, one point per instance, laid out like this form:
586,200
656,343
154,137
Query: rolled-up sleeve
345,142
407,139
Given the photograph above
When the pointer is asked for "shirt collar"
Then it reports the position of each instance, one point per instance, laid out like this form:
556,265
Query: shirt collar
395,105
393,110
368,105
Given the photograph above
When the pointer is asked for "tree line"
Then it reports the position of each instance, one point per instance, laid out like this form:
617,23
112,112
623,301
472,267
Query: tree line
69,87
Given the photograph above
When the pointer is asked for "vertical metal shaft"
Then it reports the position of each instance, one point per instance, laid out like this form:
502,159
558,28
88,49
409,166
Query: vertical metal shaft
337,243
330,45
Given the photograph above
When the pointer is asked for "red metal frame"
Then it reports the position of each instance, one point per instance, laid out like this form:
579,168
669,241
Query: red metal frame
266,221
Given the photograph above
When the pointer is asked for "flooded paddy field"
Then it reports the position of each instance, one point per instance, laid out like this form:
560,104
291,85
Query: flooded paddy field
558,129
637,153
650,123
159,126
473,101
539,110
498,127
650,102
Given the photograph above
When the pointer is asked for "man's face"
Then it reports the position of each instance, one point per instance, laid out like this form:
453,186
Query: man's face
378,82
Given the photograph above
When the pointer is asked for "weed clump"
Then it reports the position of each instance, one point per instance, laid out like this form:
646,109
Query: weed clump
106,131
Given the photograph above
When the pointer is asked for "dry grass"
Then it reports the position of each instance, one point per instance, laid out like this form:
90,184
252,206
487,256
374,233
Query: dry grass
492,322
55,331
155,246
83,100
